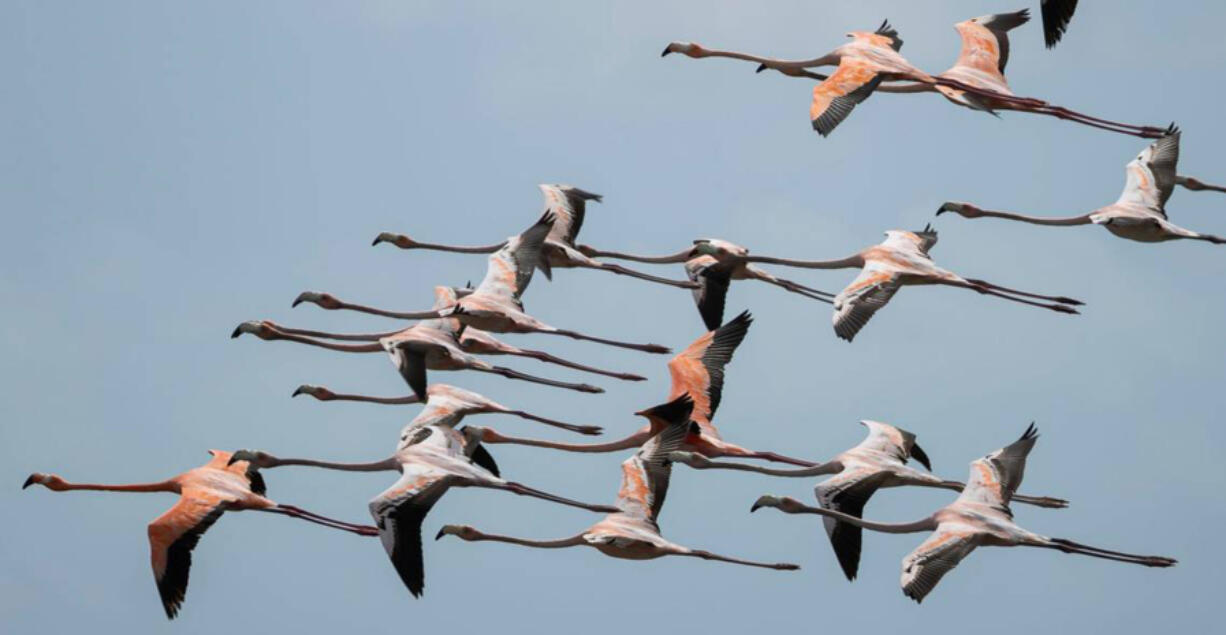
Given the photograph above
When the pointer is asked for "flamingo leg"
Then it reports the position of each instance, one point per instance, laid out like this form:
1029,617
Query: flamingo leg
1069,546
623,271
514,374
707,555
523,490
550,359
588,430
646,348
361,530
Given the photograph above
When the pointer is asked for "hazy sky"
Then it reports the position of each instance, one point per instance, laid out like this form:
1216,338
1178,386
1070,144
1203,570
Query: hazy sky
171,169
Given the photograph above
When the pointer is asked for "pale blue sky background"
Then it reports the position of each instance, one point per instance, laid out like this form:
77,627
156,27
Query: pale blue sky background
170,169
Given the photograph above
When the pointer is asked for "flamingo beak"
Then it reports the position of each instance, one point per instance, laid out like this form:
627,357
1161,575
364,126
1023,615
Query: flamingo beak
761,67
29,481
668,49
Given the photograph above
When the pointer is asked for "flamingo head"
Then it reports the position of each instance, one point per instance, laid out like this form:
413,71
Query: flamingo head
318,392
689,49
323,300
464,532
257,458
49,481
400,240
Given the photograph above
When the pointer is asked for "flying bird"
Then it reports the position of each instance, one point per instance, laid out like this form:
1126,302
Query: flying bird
714,264
632,531
871,62
205,493
698,373
445,401
1140,212
568,206
495,304
900,260
879,461
979,517
431,460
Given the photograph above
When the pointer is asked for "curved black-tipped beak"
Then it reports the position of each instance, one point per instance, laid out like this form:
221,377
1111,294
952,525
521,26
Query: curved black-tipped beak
298,300
29,482
941,210
298,391
238,330
440,534
761,67
755,507
666,51
377,240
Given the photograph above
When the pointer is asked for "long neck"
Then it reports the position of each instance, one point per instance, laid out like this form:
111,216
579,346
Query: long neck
488,249
1038,220
377,466
632,441
348,337
411,399
1196,184
420,315
573,541
832,467
926,524
851,262
829,59
344,348
681,256
170,485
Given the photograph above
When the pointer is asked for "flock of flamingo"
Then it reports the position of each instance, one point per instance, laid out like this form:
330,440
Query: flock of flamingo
434,455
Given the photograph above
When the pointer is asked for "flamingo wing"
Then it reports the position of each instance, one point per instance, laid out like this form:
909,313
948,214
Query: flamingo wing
698,371
399,512
995,477
509,270
412,367
923,568
568,205
173,536
985,41
834,99
713,292
848,492
892,441
855,305
1151,176
1056,16
645,475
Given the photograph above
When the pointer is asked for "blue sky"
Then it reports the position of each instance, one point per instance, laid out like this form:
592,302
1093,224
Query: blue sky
173,169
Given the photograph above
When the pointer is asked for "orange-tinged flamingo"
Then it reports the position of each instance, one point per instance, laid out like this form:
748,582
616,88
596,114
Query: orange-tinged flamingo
443,400
205,493
900,260
979,517
495,304
431,460
714,263
697,372
632,531
568,204
879,461
1140,212
872,58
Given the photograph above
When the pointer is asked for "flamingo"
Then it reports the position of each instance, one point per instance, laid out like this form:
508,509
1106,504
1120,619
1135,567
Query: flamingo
1056,16
880,460
1140,212
872,58
431,460
205,493
697,372
568,205
495,304
445,401
979,517
901,259
471,340
631,531
714,263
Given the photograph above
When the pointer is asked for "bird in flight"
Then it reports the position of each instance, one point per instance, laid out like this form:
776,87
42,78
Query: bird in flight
568,205
632,531
496,304
901,259
1140,212
713,264
979,517
431,459
205,493
697,373
879,461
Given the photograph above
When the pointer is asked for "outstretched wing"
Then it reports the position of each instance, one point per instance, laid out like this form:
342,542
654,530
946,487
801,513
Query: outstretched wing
855,305
1151,176
709,297
848,492
698,371
834,99
568,205
399,512
509,270
893,441
1056,16
645,475
985,41
995,477
923,568
173,536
